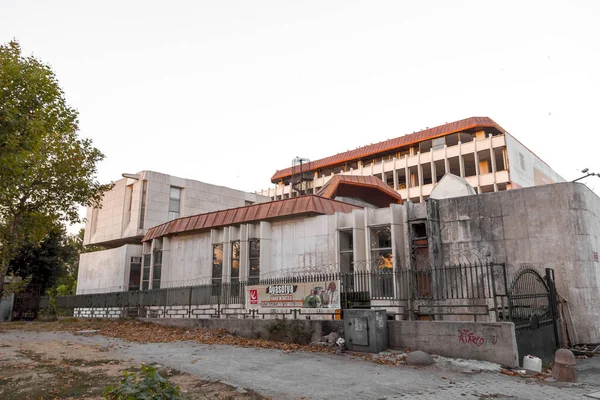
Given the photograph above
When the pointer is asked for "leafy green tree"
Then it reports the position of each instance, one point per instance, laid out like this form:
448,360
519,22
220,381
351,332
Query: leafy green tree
49,263
46,170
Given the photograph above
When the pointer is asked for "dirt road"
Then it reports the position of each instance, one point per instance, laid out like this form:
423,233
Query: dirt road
275,373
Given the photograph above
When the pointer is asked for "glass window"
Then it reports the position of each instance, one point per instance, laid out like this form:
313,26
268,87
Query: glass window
347,260
381,262
217,269
235,268
174,203
254,261
146,272
156,269
135,270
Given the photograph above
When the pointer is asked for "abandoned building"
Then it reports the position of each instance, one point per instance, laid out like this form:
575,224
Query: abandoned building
458,255
476,149
136,203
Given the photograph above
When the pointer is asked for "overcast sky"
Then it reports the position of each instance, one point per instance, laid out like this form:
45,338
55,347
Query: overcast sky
227,92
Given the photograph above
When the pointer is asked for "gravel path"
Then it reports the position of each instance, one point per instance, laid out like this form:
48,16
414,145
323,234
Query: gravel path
297,375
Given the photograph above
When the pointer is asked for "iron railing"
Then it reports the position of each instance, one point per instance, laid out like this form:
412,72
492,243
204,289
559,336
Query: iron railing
435,292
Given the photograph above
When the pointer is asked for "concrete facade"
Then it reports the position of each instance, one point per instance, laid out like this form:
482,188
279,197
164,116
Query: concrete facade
495,342
552,226
107,270
488,158
141,201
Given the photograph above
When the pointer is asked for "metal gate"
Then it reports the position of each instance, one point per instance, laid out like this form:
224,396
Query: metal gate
26,305
533,310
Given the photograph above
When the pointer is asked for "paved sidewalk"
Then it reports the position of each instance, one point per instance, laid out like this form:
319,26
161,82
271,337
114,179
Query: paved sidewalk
299,375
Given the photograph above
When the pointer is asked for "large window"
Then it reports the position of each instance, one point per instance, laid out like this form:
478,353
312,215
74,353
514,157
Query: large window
146,272
235,268
174,203
382,261
347,260
254,261
217,269
135,270
156,269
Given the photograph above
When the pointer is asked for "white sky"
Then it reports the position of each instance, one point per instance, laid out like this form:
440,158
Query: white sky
227,92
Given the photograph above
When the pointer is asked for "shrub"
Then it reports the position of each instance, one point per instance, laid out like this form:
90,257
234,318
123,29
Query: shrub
145,385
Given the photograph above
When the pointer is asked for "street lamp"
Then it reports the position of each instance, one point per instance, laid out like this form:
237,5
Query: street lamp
585,171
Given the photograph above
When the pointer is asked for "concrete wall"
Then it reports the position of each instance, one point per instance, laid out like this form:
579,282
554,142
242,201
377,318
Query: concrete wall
118,219
493,342
6,306
551,226
106,270
293,331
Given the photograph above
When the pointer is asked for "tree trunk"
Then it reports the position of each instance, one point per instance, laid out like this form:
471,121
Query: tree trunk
7,252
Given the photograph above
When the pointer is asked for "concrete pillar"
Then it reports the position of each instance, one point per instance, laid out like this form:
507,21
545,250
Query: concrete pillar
394,171
265,247
461,164
493,163
446,162
476,158
420,176
433,171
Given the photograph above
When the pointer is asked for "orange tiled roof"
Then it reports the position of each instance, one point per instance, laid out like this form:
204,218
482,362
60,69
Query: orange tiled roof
256,212
386,194
392,144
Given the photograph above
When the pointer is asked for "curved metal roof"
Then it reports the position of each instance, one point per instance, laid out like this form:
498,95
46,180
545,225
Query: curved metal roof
310,204
392,144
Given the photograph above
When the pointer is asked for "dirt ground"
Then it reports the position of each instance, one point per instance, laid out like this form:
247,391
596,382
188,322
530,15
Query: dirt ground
66,370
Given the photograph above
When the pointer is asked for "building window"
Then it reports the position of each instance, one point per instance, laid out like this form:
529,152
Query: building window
156,269
347,259
143,206
254,262
235,268
382,262
217,269
135,270
146,272
174,203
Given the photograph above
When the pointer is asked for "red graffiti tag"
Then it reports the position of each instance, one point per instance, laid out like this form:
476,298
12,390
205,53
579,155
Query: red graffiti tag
466,336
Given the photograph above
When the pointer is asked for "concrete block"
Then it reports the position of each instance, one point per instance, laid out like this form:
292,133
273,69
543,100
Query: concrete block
494,342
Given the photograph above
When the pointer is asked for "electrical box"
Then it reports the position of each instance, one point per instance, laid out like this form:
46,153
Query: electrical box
366,330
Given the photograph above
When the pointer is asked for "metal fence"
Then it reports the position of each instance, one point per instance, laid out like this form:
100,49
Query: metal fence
471,289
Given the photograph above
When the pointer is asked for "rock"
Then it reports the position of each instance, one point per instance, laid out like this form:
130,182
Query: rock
564,366
338,352
323,338
419,358
319,344
333,337
241,390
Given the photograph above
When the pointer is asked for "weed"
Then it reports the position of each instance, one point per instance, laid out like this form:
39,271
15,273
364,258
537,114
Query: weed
147,384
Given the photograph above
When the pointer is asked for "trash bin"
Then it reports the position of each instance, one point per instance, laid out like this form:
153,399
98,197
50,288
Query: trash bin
366,330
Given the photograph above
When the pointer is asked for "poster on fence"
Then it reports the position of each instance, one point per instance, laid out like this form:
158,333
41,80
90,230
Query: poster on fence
295,295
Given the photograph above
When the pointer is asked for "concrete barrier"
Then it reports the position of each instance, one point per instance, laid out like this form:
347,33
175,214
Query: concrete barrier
494,342
283,330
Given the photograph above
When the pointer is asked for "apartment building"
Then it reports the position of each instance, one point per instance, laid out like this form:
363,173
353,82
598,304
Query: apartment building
476,149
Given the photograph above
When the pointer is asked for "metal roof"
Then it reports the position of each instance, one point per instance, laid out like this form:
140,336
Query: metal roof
310,204
368,188
392,144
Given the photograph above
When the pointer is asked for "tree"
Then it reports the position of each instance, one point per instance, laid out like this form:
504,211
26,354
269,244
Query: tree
49,262
46,170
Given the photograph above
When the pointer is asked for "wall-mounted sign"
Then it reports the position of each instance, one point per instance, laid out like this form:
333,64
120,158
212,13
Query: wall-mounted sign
296,295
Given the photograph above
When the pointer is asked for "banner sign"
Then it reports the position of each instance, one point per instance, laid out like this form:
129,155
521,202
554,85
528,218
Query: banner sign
295,295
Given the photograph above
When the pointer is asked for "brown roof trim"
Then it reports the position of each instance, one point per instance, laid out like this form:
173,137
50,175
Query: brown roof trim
255,212
330,189
388,145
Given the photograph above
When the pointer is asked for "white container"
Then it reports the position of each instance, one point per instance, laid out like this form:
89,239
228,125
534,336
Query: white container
531,363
